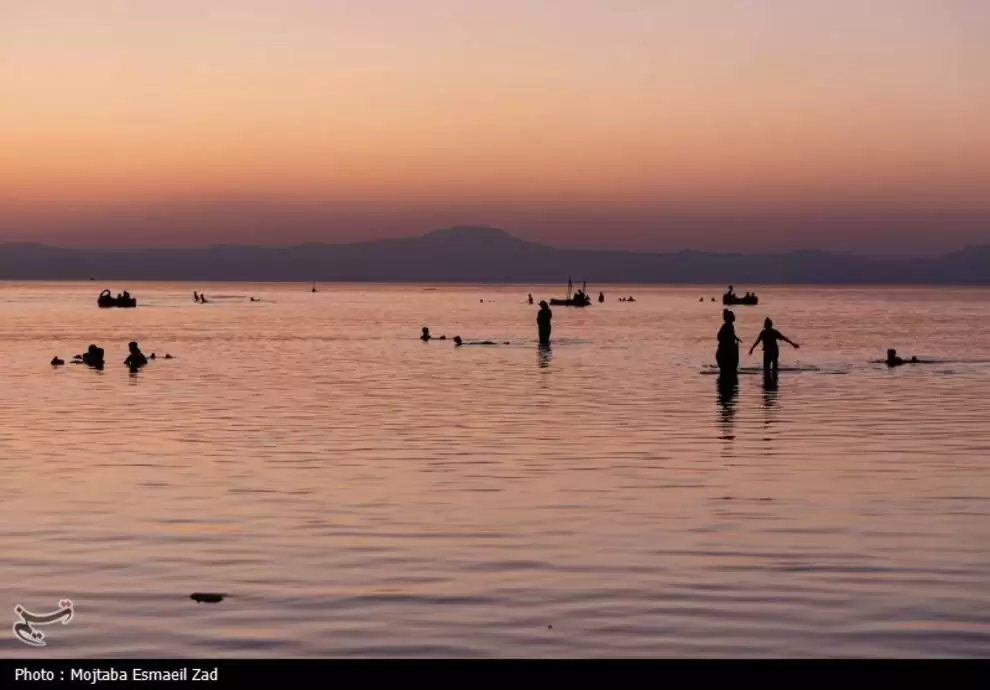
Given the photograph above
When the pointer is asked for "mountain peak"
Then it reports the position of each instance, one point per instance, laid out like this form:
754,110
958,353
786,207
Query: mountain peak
470,233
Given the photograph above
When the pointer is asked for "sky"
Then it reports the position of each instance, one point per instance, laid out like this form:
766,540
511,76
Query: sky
757,125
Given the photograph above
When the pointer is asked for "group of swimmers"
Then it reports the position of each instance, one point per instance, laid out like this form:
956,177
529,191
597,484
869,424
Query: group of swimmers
543,326
199,297
94,357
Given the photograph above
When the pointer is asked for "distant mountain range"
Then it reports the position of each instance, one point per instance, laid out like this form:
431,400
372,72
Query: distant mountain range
482,255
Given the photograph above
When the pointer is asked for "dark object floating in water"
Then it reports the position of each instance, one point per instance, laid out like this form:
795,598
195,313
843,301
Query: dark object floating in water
206,597
745,300
124,300
57,361
730,298
578,299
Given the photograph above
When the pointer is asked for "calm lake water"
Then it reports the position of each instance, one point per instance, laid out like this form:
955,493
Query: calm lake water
358,492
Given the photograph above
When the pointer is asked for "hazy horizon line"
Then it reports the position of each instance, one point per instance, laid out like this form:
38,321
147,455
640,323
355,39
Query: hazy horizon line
467,227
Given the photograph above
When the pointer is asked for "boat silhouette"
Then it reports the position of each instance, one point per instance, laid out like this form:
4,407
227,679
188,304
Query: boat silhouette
579,298
106,300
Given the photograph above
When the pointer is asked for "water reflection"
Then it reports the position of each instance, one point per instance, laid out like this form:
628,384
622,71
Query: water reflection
769,390
728,389
545,355
770,393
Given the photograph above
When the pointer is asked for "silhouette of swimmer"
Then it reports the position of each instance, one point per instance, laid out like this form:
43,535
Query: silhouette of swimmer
136,358
92,357
601,297
894,361
543,319
769,336
195,296
57,361
727,354
458,342
531,298
426,337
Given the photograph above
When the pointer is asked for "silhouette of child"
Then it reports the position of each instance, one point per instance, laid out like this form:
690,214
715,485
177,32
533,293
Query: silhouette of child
770,336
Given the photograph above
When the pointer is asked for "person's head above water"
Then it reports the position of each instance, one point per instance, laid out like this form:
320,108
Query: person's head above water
132,346
891,353
457,340
543,303
728,316
768,322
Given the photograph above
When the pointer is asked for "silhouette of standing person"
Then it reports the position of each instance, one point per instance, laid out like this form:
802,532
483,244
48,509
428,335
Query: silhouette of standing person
543,318
770,336
727,354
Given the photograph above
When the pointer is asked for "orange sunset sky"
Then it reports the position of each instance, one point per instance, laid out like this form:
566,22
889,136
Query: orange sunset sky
743,125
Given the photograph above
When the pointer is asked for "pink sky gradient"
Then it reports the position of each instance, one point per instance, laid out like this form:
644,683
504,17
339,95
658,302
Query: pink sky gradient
841,124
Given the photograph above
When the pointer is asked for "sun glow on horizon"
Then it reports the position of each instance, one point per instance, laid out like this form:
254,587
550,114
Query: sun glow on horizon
624,107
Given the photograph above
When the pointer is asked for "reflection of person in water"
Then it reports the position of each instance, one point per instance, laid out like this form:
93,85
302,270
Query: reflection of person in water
770,336
727,354
543,319
136,358
728,388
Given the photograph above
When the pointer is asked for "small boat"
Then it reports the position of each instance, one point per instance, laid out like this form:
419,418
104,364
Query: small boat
731,298
745,300
106,300
578,299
